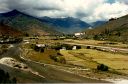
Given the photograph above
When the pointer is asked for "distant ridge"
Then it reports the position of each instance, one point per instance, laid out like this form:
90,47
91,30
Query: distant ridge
68,24
97,23
45,25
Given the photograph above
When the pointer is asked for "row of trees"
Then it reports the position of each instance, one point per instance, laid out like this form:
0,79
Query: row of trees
106,34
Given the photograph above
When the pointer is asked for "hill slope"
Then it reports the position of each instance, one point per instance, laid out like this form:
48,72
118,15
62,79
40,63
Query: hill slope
115,30
98,23
26,23
6,30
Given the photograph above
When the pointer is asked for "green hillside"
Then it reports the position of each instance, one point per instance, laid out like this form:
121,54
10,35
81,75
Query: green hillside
114,30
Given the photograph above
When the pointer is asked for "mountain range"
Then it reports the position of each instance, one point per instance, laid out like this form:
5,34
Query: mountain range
44,25
68,24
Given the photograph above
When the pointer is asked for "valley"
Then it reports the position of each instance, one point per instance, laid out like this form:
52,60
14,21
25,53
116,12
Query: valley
81,62
65,60
47,72
62,50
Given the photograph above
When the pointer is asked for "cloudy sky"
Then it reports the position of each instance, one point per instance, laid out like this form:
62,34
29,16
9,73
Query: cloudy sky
86,10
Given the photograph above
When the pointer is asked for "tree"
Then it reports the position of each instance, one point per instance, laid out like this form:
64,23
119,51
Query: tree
96,37
60,59
106,31
26,34
5,77
14,80
102,67
118,34
2,74
88,47
112,19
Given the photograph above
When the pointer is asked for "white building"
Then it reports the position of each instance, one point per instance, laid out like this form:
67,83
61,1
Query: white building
74,48
78,34
40,45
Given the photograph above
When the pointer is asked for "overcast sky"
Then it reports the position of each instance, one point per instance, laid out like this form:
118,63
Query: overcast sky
86,10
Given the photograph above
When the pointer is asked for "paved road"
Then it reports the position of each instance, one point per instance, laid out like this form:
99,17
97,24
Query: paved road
49,73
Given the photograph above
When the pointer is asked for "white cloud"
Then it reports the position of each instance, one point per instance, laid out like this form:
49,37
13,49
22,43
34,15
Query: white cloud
107,10
87,10
123,1
4,6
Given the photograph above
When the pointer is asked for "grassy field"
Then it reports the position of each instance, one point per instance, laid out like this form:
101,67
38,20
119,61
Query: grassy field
74,59
83,57
83,61
91,58
38,56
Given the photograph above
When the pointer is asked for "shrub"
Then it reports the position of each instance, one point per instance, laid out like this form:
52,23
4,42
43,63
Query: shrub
58,47
61,59
53,57
95,48
4,46
36,48
111,19
14,80
88,47
68,47
59,54
41,49
33,46
58,59
102,67
5,78
78,47
4,50
18,66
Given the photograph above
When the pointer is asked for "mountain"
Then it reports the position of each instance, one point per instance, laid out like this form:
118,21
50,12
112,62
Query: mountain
68,25
97,23
115,30
26,23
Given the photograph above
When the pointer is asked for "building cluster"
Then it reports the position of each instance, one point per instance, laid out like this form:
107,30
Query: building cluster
9,40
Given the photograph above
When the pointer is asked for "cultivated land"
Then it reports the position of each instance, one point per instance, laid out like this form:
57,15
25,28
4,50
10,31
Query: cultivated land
84,61
98,43
115,61
81,64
